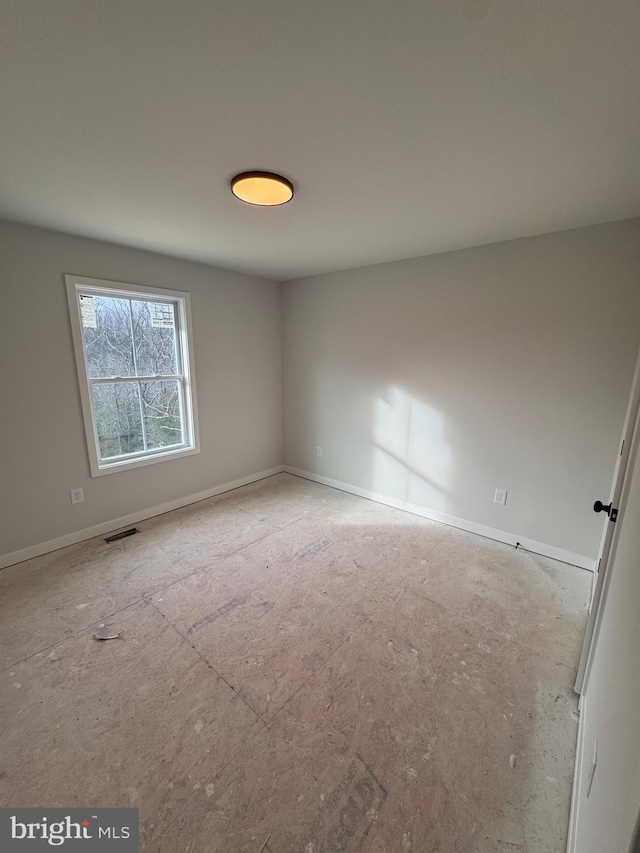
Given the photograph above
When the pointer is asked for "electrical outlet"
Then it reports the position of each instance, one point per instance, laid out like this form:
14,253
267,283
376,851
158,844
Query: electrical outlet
500,497
319,452
77,496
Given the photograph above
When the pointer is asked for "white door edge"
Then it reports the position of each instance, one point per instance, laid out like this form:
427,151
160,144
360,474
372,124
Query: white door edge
619,475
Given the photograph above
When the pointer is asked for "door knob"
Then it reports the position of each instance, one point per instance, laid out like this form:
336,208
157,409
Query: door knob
611,511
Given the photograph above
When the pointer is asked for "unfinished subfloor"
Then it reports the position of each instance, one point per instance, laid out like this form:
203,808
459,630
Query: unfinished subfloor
300,670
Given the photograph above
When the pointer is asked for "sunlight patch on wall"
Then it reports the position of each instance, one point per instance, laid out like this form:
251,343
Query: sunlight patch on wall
412,458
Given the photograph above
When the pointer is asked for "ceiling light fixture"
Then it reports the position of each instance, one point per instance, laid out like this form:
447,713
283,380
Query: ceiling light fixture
262,188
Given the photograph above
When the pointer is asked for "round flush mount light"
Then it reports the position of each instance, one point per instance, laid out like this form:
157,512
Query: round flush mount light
262,188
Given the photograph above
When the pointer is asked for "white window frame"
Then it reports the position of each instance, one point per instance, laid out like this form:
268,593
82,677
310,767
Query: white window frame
77,285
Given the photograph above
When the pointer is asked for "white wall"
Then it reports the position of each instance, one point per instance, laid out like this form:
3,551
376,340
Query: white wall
605,820
432,380
237,339
436,380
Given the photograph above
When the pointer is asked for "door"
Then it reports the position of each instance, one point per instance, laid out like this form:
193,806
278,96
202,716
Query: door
606,788
611,509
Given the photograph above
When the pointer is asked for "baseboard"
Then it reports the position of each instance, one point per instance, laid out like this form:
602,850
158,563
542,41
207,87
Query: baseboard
542,548
132,518
572,838
552,551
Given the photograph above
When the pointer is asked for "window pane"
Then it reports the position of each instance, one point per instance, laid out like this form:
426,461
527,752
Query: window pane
155,337
106,328
117,411
161,404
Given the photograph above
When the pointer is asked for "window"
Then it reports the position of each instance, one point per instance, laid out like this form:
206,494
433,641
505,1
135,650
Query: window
135,369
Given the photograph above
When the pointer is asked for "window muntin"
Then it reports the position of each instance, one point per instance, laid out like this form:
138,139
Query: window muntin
134,362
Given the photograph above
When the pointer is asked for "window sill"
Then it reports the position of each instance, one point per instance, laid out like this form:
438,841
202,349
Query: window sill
99,470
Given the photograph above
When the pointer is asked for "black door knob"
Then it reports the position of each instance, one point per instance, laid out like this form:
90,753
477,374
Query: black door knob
600,507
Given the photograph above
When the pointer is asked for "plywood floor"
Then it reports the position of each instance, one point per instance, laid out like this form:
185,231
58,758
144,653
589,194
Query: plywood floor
300,670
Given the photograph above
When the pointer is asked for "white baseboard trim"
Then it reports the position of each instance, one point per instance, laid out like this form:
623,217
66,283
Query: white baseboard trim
542,548
572,837
125,520
552,551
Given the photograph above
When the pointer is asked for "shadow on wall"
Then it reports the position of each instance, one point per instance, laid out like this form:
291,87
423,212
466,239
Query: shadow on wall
412,459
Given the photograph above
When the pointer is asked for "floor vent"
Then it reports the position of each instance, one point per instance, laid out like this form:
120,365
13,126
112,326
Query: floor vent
122,534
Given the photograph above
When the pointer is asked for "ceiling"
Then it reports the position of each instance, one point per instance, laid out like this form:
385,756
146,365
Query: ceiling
408,127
